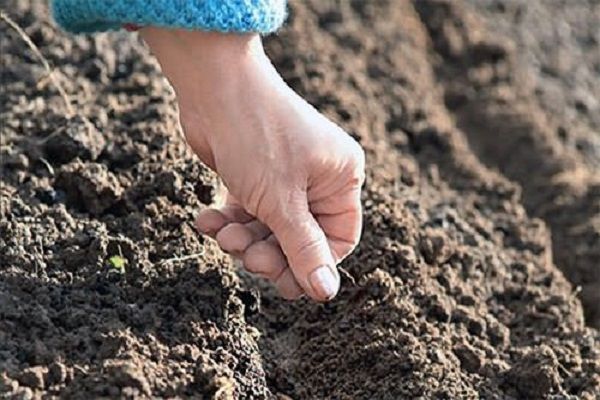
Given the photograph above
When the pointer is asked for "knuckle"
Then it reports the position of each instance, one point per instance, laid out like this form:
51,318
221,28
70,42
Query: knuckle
270,208
280,212
252,257
357,151
251,264
346,250
354,241
273,274
250,267
259,259
354,163
358,157
305,248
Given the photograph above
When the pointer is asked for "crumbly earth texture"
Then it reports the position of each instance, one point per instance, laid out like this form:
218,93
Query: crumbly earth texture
478,273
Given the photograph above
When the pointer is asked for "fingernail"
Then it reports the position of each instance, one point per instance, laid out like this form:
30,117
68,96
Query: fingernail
324,282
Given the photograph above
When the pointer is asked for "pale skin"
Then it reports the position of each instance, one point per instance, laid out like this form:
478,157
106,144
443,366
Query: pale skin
293,177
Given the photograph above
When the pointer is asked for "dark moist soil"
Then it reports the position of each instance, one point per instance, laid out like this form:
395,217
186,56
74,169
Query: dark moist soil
481,189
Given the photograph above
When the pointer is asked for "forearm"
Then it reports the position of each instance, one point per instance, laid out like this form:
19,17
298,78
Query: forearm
222,60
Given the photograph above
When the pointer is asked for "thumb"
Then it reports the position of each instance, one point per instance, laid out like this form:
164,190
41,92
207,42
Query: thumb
305,245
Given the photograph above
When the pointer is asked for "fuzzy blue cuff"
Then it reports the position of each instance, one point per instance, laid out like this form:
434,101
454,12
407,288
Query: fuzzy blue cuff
242,16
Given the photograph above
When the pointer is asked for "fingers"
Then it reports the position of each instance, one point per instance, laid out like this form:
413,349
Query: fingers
343,232
245,241
212,220
236,213
305,262
234,238
287,286
307,250
340,217
265,258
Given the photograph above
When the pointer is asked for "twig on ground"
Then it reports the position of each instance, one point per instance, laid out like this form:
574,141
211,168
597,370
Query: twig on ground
182,258
576,292
42,59
348,275
47,165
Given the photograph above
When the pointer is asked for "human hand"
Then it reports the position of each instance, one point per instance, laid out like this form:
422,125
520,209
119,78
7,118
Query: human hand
294,177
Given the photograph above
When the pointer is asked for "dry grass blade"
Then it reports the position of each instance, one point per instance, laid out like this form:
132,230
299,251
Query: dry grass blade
348,275
181,259
43,60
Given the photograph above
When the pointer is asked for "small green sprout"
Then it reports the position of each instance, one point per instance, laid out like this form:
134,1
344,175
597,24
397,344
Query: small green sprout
118,263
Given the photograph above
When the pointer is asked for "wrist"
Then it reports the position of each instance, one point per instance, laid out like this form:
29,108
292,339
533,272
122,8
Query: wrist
208,60
218,78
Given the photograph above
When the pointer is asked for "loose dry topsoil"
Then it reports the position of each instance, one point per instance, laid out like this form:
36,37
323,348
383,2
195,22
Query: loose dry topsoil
478,275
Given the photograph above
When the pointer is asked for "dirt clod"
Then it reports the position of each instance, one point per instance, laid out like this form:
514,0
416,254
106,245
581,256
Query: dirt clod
32,377
90,187
535,373
78,138
470,358
58,373
127,378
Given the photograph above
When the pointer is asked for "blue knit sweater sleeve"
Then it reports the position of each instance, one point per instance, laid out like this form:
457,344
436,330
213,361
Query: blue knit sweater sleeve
242,16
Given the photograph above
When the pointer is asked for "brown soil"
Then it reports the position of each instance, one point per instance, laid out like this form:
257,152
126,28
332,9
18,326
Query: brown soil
479,193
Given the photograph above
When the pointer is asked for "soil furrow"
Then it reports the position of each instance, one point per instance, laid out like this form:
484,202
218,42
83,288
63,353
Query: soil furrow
498,111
